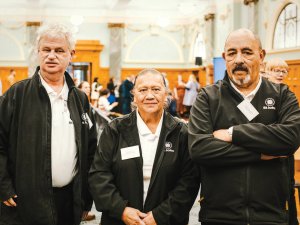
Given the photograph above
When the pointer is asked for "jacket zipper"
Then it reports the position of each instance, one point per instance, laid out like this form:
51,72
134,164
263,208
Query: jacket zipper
247,194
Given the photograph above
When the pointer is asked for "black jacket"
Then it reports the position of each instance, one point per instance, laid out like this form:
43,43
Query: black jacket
25,151
117,183
237,186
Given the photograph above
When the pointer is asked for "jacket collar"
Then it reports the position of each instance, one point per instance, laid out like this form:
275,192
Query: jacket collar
68,79
129,122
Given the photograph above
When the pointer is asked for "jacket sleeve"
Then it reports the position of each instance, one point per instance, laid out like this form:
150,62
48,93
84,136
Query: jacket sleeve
92,145
181,199
207,150
281,138
101,178
6,185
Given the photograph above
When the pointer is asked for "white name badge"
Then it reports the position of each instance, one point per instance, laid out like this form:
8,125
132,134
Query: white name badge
130,152
248,110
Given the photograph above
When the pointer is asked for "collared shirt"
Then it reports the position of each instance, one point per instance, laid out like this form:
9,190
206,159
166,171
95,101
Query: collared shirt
63,145
149,142
251,95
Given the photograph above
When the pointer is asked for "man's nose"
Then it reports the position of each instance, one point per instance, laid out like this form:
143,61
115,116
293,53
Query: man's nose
52,54
149,94
239,59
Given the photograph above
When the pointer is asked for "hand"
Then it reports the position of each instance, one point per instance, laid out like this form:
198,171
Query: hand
115,104
10,202
223,135
133,216
270,157
149,219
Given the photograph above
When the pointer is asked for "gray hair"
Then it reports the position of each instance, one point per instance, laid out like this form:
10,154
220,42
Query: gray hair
56,30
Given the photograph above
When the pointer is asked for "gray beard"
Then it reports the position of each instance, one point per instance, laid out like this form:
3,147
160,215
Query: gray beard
242,82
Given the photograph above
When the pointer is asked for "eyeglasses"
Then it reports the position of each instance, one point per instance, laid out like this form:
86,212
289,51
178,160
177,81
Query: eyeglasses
283,72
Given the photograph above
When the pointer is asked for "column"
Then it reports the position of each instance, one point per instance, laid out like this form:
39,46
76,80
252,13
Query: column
115,50
252,14
31,29
209,36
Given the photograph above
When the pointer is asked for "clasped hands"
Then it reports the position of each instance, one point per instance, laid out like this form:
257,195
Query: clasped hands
132,216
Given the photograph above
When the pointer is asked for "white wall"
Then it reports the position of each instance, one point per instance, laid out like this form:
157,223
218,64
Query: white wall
13,46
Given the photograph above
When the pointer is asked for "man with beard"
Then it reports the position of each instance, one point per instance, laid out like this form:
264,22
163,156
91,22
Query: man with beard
241,131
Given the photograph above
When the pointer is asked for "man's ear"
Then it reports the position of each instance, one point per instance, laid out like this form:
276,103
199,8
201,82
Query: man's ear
223,55
72,54
262,54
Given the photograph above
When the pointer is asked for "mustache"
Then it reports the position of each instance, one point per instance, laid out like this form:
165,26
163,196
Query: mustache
240,68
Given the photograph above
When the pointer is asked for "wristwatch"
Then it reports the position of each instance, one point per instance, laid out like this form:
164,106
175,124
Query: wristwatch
230,130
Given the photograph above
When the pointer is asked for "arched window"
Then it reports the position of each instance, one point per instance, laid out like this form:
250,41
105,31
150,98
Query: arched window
199,47
287,29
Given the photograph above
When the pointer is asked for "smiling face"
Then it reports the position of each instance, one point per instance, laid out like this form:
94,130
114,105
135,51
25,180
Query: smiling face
150,94
54,55
243,56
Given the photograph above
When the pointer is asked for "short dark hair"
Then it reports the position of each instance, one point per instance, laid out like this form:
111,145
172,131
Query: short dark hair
104,92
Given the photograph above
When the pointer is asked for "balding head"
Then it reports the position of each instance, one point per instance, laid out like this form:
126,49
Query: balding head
242,32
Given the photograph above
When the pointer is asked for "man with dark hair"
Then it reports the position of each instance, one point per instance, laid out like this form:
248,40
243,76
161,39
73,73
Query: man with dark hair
241,131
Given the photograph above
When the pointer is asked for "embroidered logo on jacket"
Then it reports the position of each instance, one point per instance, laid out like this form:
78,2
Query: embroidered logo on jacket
169,147
270,102
84,118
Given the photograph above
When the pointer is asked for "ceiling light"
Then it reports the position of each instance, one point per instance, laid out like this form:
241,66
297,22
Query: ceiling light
76,20
163,22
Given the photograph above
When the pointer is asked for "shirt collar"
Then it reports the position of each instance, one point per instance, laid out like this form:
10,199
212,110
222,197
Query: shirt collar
251,95
64,92
143,128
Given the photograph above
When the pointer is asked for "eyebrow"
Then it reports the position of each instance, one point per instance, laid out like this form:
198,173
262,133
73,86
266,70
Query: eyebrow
243,49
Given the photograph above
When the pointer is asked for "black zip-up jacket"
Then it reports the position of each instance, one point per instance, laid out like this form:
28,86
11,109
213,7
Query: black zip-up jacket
25,152
237,187
117,183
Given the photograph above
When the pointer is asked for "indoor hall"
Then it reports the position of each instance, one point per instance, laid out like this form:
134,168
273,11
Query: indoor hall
116,39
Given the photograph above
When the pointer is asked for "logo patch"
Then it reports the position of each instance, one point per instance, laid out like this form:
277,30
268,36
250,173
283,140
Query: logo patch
169,147
270,102
84,118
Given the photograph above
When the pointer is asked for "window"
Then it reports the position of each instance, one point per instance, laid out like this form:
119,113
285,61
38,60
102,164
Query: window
287,29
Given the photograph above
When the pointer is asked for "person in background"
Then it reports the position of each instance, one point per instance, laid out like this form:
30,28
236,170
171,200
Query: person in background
125,94
179,91
111,86
191,91
47,140
142,173
277,70
262,70
103,103
96,87
11,78
241,132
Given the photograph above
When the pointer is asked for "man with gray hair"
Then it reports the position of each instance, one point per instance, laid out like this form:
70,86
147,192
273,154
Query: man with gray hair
47,140
241,131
